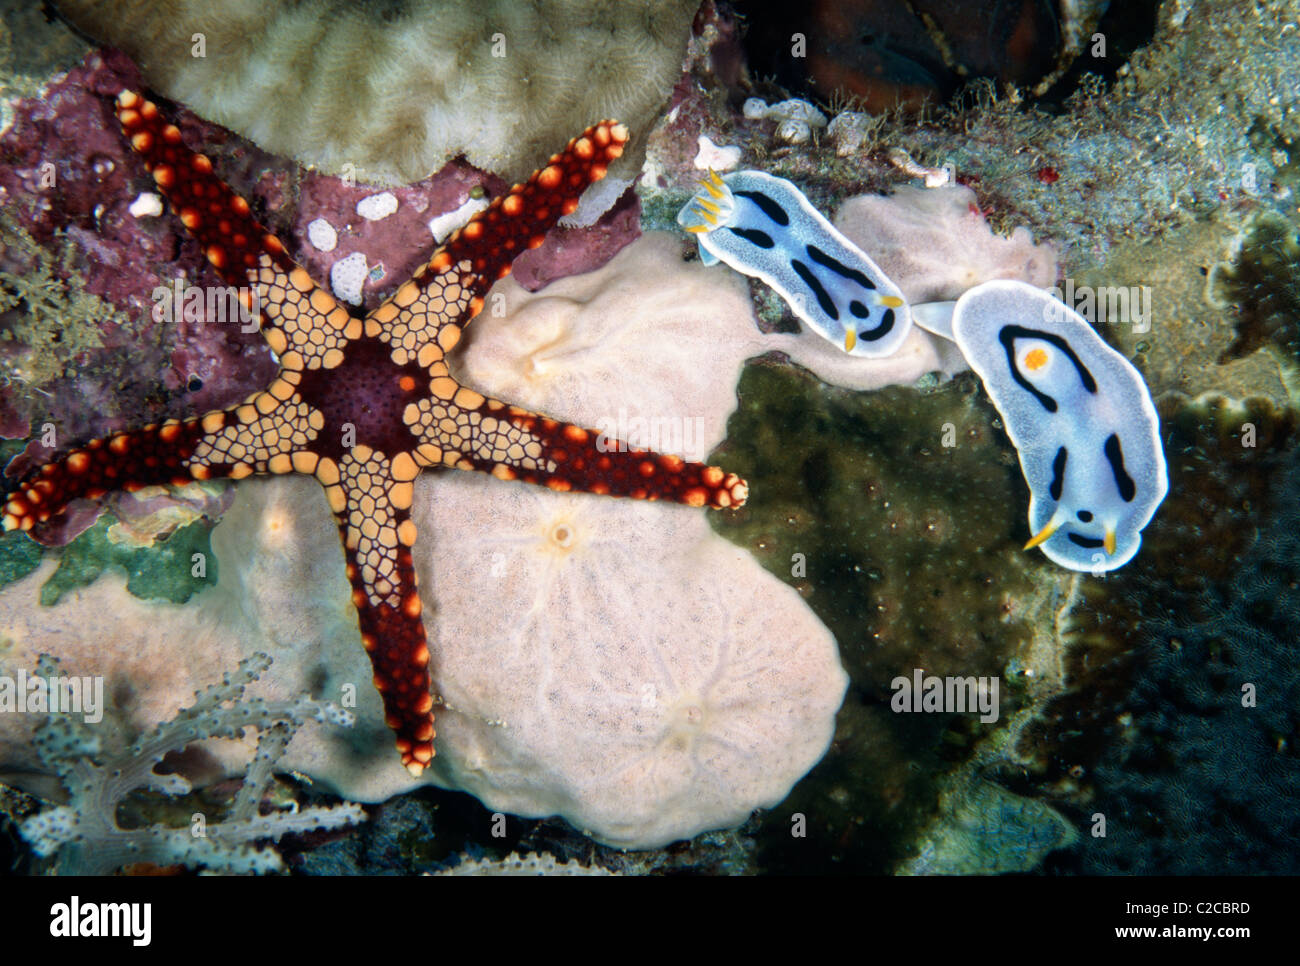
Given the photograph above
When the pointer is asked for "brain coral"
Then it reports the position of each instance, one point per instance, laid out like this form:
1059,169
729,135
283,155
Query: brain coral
395,89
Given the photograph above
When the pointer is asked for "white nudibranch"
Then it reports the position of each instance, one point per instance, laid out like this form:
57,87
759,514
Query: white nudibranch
763,226
1080,416
1078,412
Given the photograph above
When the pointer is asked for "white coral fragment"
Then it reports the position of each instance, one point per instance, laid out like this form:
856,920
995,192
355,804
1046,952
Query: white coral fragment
322,236
348,277
442,226
146,205
715,157
377,207
792,110
793,131
848,130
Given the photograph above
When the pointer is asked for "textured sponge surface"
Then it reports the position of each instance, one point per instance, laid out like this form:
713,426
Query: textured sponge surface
389,91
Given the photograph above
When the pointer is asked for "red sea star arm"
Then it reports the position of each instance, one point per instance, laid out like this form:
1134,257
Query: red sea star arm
157,454
296,314
459,427
446,293
371,500
262,434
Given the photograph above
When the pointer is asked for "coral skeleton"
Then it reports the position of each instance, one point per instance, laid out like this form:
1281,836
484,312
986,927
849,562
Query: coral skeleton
85,836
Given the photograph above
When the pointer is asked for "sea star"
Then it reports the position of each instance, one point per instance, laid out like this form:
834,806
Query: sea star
365,404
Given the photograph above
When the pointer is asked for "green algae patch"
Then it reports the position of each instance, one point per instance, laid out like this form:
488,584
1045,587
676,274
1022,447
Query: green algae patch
983,829
173,569
50,318
1262,285
19,556
899,516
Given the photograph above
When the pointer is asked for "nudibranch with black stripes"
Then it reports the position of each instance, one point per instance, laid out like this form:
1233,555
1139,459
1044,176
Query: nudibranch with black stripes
1080,416
763,226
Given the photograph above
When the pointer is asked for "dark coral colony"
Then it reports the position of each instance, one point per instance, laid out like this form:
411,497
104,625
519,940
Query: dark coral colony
884,416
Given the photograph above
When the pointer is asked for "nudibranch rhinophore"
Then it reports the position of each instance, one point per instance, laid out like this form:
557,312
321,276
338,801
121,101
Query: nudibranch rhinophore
763,226
1080,416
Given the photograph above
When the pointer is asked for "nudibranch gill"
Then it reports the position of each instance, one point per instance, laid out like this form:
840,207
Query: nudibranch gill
763,226
365,404
1079,415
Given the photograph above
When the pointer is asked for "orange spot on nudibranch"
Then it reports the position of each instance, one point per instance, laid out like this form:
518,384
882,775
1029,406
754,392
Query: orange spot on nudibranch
1035,359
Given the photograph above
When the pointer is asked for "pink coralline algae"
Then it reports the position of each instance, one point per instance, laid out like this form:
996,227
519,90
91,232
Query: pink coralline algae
65,178
394,246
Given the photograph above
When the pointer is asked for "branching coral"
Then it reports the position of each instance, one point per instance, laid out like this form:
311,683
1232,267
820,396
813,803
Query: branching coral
533,863
86,835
